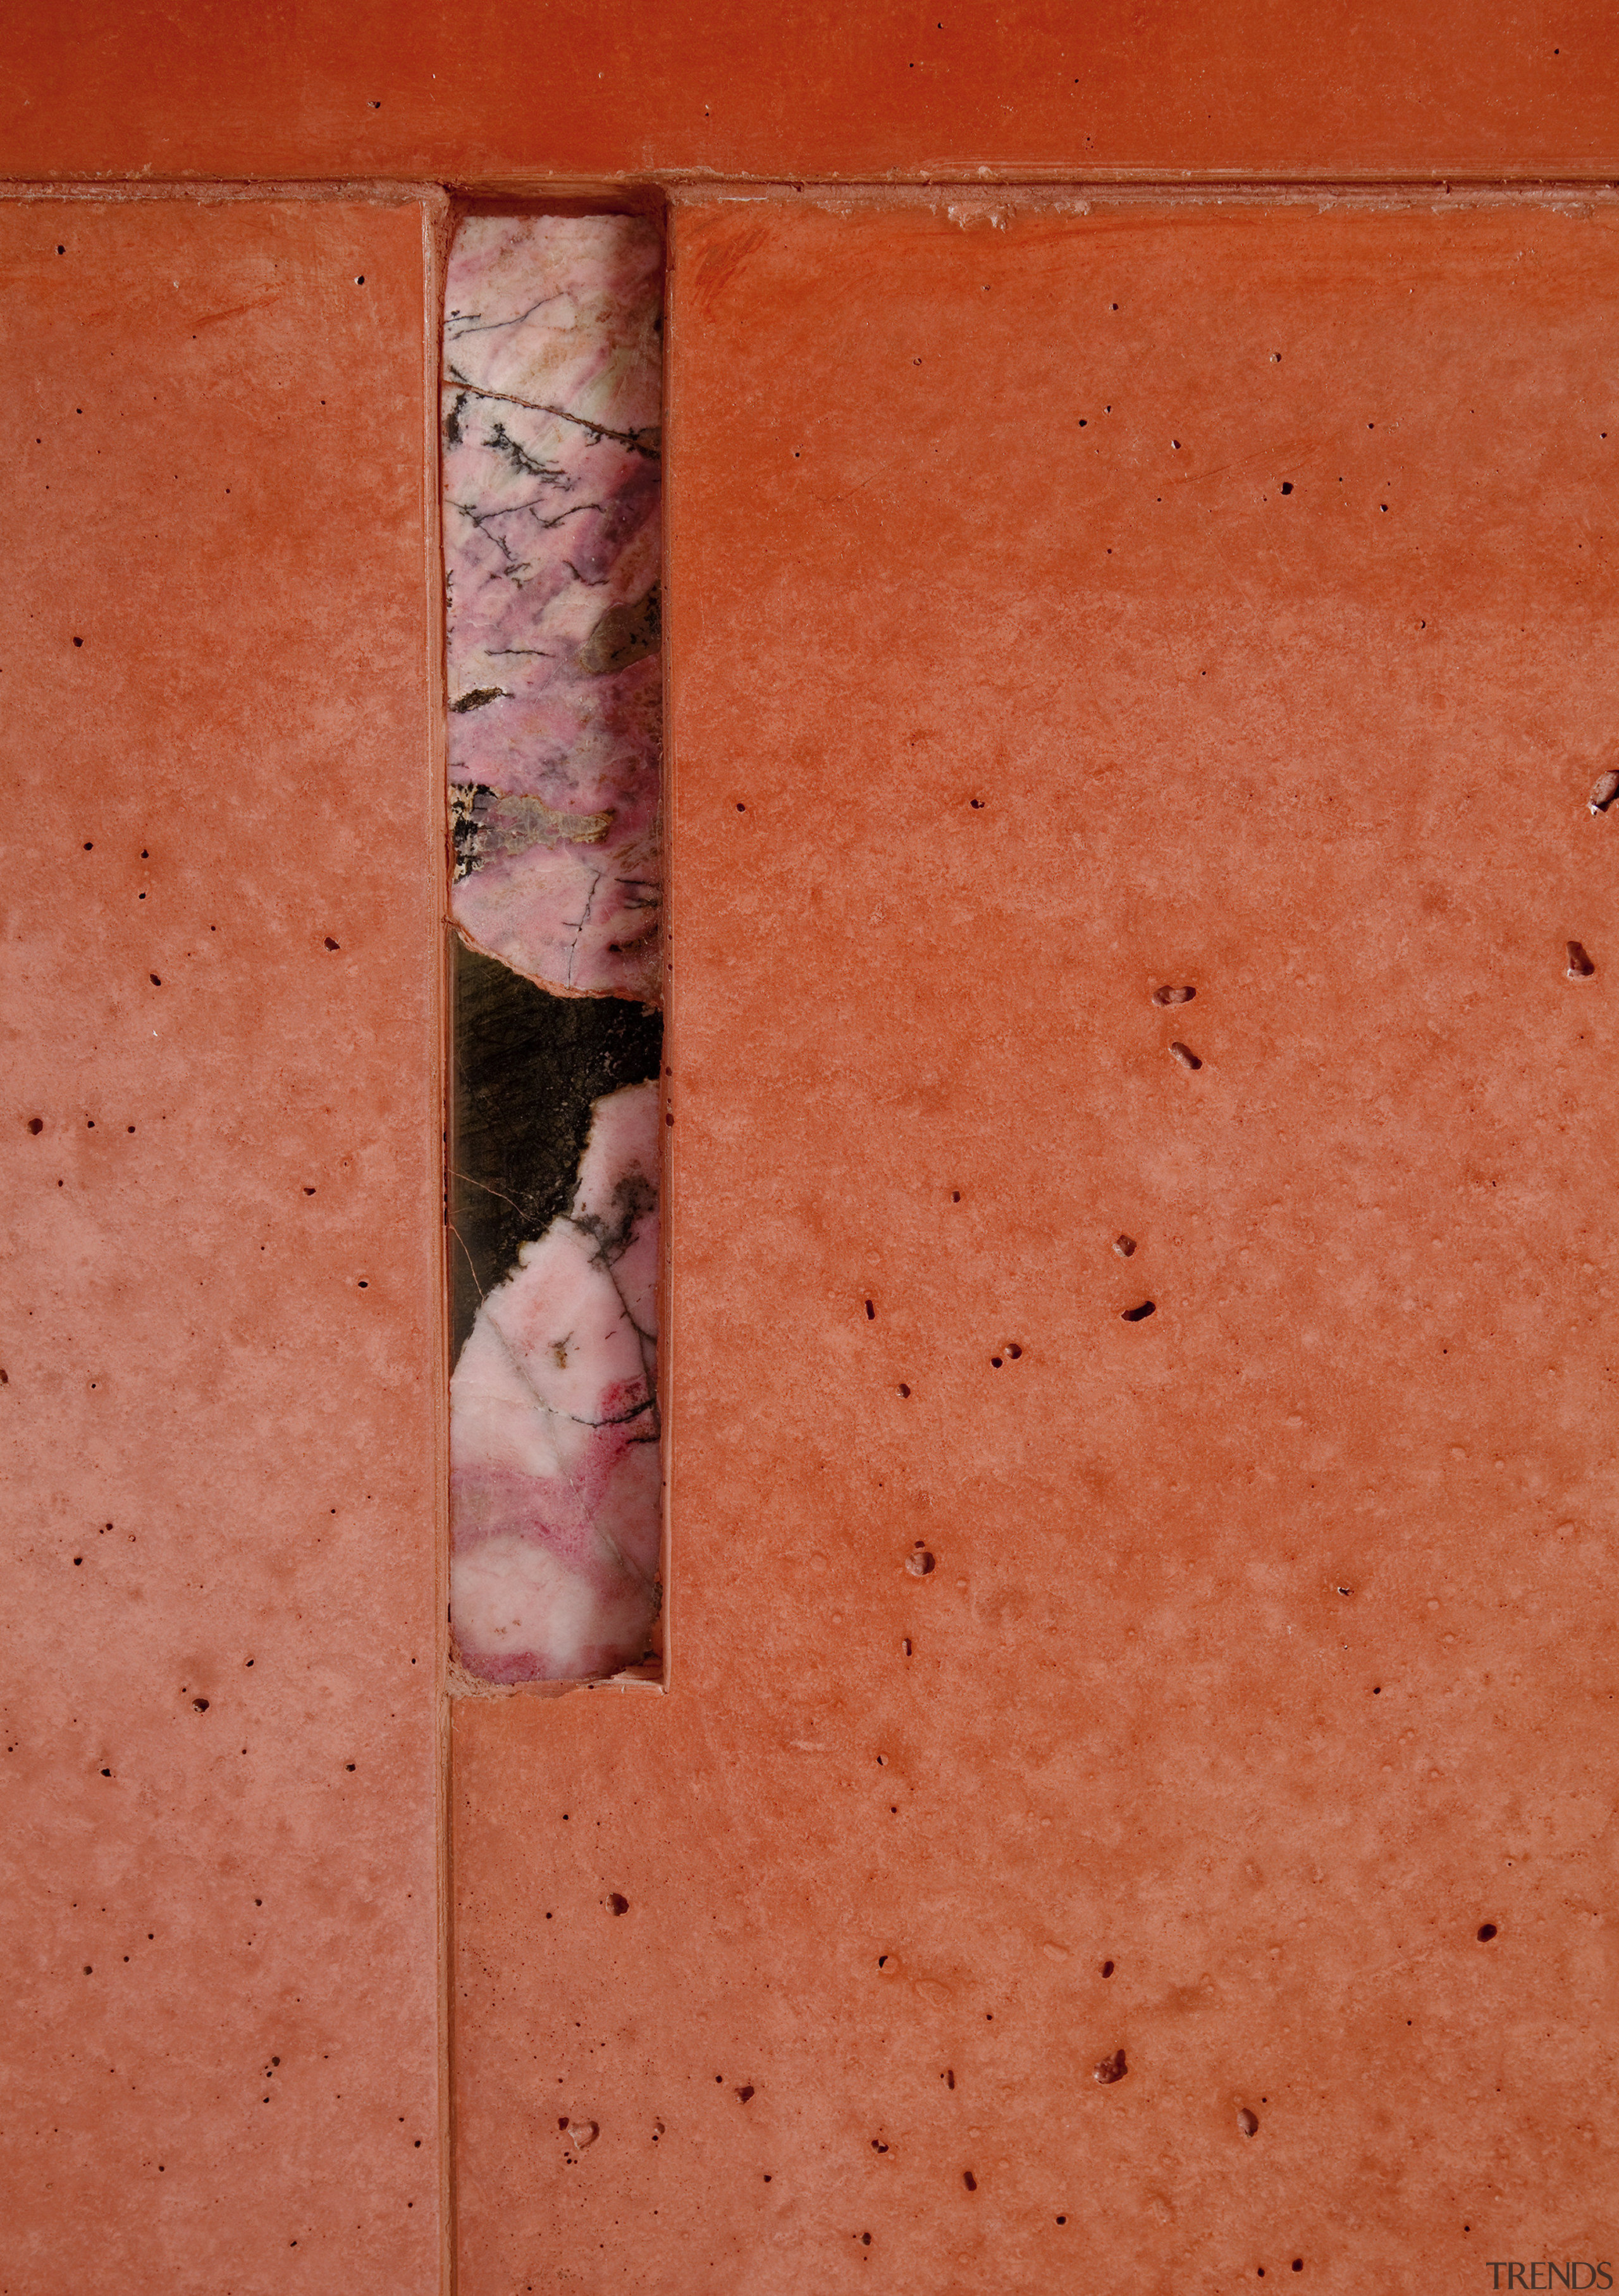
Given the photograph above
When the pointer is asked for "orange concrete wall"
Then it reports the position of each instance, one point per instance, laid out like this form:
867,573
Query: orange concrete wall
487,92
1061,608
221,1311
1264,1657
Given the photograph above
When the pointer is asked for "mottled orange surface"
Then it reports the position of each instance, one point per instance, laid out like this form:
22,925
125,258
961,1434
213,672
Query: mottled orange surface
221,1320
1063,611
490,93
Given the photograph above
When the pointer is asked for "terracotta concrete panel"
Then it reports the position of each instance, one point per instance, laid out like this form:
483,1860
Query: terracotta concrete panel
221,1320
494,92
1194,598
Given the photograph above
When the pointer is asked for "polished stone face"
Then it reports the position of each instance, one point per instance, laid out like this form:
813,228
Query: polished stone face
552,398
552,384
553,1415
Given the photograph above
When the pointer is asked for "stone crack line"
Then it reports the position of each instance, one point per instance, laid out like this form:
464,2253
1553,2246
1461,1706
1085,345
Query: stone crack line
636,440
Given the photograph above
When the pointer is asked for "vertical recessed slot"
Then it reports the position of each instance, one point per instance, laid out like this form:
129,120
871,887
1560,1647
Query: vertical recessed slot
550,411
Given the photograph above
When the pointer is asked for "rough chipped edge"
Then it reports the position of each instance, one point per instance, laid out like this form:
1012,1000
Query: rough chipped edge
646,191
460,1681
978,196
390,191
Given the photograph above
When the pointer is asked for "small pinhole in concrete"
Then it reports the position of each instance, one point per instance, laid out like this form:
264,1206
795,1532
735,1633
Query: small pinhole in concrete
903,1388
1487,1930
976,803
365,1285
871,1313
1139,1315
106,1774
742,808
155,979
1125,1246
955,1195
948,2078
348,1765
865,2240
330,942
1248,2122
1112,2069
1579,966
744,2093
996,1362
877,2145
1107,1969
89,846
36,1124
1287,485
1173,995
1062,2219
1298,2264
1605,789
1184,1053
920,1563
967,2177
887,1963
308,1192
1013,1349
617,1903
905,1647
78,642
201,1704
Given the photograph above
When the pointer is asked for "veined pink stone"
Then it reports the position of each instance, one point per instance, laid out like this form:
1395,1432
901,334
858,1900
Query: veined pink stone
555,1485
553,378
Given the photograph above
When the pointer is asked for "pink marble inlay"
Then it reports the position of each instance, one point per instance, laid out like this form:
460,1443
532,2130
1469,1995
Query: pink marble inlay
555,1483
552,397
553,378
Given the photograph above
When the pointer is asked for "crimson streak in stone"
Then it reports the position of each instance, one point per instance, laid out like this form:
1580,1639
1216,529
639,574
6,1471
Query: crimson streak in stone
553,377
553,1430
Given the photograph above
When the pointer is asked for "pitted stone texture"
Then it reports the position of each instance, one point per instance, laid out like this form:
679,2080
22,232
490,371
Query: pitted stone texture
1267,1655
